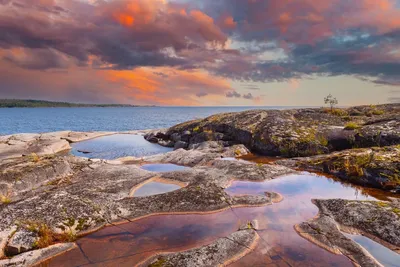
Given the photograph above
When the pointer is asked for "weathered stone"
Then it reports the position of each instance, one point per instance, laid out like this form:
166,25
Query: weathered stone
32,258
223,251
22,241
377,220
180,144
299,132
374,167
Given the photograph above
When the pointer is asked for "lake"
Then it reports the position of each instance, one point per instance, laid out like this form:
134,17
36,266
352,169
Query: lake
38,120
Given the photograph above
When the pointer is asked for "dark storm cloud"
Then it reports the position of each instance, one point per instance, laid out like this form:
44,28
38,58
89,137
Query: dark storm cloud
124,34
248,96
233,94
312,37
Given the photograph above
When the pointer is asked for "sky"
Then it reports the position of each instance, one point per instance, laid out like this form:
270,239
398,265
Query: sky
201,53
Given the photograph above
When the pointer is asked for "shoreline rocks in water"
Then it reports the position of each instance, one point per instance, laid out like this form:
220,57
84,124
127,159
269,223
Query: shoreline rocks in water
379,221
377,167
222,252
291,133
47,205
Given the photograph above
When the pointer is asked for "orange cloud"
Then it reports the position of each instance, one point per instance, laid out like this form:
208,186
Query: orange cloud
169,86
124,19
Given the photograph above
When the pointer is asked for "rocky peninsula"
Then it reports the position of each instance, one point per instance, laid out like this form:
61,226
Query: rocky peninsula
49,197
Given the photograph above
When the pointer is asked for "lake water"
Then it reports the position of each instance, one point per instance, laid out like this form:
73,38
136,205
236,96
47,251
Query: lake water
37,120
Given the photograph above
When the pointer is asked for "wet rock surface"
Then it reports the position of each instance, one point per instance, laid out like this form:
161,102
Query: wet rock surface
221,252
34,257
64,196
379,221
375,167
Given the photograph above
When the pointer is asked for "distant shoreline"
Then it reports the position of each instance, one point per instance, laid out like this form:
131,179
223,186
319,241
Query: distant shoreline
28,103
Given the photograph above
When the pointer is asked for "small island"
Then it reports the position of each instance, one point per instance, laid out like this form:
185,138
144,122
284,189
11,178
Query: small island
30,103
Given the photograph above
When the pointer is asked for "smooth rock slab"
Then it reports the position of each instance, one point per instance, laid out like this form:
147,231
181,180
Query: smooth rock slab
221,252
36,256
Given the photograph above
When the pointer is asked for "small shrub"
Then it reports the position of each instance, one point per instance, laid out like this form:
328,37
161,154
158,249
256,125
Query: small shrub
346,118
34,157
46,236
160,262
249,226
5,199
196,129
378,112
322,140
351,126
339,112
237,152
396,211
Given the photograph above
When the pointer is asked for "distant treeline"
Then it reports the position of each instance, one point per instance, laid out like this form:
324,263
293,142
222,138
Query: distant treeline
19,103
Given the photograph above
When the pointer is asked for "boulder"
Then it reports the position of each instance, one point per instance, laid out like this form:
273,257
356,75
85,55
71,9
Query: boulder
180,144
22,241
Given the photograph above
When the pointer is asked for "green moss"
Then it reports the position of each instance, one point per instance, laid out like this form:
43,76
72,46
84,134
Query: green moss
382,204
322,140
82,224
351,126
238,152
396,211
336,112
378,112
5,199
159,263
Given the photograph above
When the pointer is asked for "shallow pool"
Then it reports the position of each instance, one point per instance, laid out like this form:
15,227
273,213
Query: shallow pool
117,146
280,245
155,187
163,167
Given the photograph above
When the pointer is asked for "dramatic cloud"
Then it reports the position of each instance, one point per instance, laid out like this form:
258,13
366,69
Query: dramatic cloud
193,50
248,96
233,94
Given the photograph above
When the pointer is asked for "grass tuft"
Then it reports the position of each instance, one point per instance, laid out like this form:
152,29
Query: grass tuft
351,126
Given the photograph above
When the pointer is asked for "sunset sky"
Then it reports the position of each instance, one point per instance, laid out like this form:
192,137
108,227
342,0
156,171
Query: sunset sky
209,52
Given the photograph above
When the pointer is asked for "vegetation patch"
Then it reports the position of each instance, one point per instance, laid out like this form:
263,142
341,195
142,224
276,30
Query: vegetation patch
46,236
33,157
351,126
160,262
4,199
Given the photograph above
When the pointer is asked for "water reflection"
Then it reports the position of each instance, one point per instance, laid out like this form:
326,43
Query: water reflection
154,188
117,146
280,245
381,253
163,167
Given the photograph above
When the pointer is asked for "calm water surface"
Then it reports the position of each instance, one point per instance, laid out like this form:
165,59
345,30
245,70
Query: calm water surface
163,167
280,245
155,188
382,254
37,120
117,146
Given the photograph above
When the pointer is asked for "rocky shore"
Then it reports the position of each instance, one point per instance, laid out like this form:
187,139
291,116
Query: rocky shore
50,197
379,221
